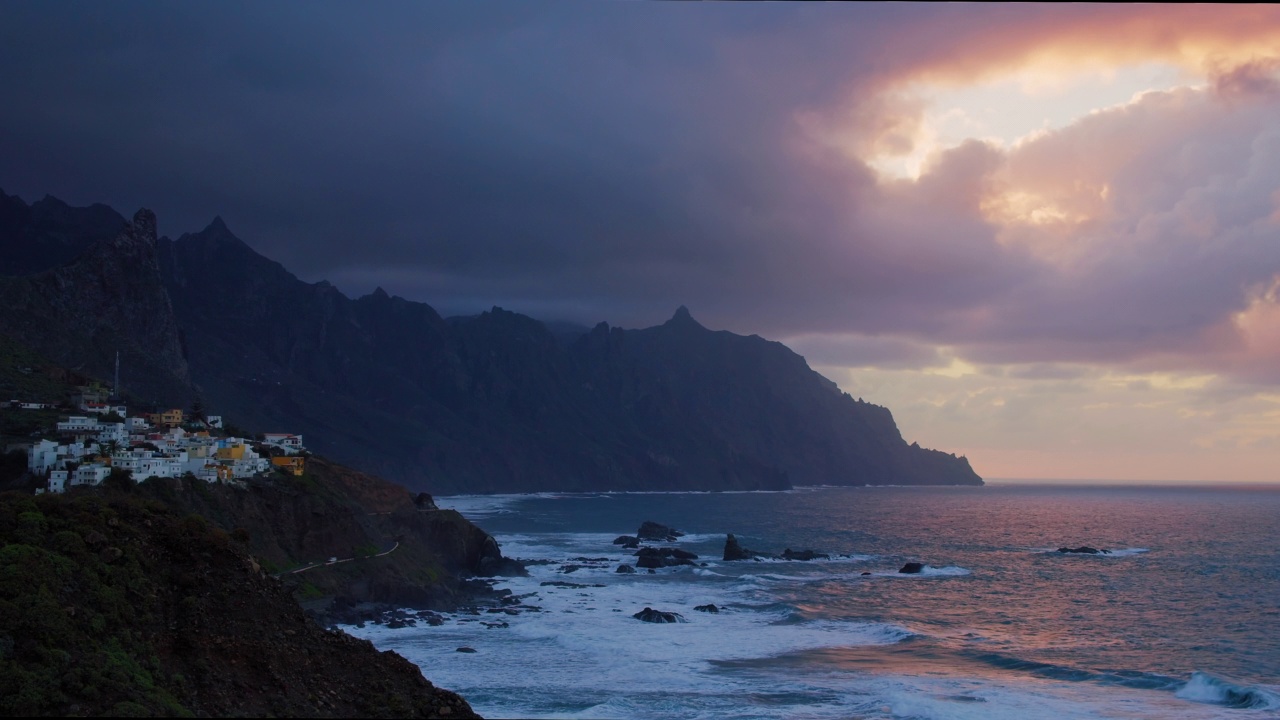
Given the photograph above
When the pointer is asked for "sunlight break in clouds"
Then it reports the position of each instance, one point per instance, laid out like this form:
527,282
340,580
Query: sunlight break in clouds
1127,182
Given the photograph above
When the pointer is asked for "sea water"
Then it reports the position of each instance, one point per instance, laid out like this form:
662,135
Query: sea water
1180,620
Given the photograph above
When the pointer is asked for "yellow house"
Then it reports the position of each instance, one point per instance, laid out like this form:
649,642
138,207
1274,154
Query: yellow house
168,418
234,452
290,463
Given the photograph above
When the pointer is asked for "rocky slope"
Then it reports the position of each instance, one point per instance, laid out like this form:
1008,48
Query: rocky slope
109,300
333,511
115,606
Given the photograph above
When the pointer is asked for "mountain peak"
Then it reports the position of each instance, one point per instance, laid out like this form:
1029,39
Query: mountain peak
217,225
380,294
143,227
682,318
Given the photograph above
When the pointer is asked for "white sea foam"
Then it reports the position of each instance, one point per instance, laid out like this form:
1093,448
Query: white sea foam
589,634
478,507
1205,688
1112,553
765,654
1126,552
929,571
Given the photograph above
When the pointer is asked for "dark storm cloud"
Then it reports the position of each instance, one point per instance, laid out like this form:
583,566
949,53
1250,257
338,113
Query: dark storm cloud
610,161
618,157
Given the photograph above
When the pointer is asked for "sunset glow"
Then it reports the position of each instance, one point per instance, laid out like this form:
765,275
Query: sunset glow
1023,228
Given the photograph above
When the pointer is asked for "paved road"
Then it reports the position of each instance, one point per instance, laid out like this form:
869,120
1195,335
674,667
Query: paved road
336,561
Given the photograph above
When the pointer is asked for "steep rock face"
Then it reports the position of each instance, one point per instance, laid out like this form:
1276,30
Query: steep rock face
50,233
109,300
491,403
335,511
370,382
757,400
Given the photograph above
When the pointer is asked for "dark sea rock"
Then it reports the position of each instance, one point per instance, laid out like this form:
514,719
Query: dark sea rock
657,616
790,554
912,568
1084,550
709,608
625,569
424,501
650,530
734,551
465,650
866,573
627,541
650,557
650,562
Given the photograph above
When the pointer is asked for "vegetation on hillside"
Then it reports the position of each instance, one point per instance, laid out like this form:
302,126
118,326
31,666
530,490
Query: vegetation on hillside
111,604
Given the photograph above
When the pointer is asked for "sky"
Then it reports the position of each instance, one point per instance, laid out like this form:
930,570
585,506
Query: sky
1046,236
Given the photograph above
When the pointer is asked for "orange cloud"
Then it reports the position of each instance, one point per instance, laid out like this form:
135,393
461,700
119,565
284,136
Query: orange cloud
1214,39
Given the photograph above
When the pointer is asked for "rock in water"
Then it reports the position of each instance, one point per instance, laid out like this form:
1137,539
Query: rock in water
627,541
734,551
657,616
709,608
912,568
650,530
790,554
1084,550
625,569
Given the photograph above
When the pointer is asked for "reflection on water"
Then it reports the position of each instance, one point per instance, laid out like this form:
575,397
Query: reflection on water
1173,624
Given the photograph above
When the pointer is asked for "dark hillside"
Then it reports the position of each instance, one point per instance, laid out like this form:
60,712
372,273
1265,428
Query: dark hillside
115,606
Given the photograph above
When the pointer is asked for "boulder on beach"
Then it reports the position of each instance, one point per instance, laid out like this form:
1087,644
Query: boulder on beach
912,568
1084,550
734,551
657,616
650,530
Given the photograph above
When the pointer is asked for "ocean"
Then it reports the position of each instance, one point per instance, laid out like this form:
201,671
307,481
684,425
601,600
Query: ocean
1180,620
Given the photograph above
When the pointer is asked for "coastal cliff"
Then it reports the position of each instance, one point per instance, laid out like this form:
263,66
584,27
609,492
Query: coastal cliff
495,402
112,605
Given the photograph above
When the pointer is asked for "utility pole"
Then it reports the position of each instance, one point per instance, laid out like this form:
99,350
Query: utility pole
115,388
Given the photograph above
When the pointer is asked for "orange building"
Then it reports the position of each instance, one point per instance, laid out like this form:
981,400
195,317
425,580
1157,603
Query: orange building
290,463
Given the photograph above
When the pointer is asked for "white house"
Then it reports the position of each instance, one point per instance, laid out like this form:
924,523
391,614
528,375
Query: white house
214,421
92,474
112,432
288,442
136,424
42,456
78,424
58,481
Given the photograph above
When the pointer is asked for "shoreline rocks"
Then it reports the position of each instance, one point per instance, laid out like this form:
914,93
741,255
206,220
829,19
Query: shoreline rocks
734,551
912,568
803,555
650,530
1083,550
657,616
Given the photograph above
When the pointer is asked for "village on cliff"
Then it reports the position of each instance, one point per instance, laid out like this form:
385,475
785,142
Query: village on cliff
85,449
